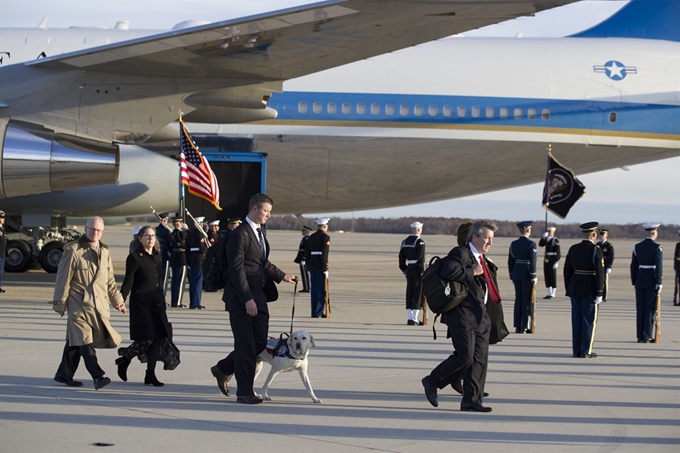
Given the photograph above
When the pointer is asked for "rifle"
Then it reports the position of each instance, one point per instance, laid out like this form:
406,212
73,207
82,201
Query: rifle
159,219
533,308
200,228
657,319
328,299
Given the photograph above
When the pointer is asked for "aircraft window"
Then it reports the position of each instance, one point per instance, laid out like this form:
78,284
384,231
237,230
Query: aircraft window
403,110
389,109
531,114
447,111
490,112
361,108
418,110
461,111
432,110
346,108
316,107
375,109
612,117
545,114
331,108
517,113
302,107
476,111
504,113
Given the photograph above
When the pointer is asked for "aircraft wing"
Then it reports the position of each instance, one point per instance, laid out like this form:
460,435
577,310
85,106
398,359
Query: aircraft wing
293,42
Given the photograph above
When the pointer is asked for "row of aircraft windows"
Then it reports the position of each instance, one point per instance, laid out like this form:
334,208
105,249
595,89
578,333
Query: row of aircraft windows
432,110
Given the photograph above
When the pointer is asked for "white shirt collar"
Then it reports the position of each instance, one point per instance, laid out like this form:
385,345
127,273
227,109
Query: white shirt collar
252,224
475,252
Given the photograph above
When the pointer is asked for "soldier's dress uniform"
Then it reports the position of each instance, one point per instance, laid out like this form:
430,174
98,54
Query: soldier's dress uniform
196,248
584,282
608,255
646,273
300,259
178,263
550,262
522,259
162,236
316,256
676,268
412,265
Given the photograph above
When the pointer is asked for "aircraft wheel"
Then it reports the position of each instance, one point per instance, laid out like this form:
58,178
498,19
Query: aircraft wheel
50,256
18,256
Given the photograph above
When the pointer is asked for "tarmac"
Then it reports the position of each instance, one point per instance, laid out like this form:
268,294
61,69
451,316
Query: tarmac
366,367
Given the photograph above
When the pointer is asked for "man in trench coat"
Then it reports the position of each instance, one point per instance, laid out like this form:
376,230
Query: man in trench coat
85,288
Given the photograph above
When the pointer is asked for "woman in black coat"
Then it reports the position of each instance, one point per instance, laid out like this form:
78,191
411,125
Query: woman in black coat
149,327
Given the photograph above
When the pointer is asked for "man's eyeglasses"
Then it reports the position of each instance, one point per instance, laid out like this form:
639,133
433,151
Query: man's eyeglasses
96,230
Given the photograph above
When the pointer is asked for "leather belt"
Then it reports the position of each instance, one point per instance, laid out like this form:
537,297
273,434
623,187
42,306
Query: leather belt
316,253
647,266
579,272
522,262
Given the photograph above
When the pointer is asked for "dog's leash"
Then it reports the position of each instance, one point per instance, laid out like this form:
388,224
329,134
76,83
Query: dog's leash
292,315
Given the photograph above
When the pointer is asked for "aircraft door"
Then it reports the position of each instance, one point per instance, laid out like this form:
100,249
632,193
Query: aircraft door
603,112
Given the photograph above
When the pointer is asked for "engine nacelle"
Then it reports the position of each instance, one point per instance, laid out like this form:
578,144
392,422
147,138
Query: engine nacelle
36,160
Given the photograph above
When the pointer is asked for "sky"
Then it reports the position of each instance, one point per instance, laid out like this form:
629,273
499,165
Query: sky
640,193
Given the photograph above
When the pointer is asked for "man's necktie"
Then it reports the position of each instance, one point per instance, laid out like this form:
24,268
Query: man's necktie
261,238
494,294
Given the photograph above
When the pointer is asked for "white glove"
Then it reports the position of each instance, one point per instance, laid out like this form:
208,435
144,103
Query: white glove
555,265
598,300
658,289
544,235
326,274
303,262
404,274
608,270
534,280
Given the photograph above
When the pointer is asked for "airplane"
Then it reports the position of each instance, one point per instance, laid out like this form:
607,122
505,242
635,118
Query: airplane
447,119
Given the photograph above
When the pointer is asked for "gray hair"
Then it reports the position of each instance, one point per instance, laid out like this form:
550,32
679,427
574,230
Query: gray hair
478,226
92,220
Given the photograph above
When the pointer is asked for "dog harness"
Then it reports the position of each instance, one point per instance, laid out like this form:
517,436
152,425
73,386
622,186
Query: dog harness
278,347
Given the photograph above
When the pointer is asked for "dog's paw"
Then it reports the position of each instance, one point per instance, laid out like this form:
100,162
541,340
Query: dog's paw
266,398
317,401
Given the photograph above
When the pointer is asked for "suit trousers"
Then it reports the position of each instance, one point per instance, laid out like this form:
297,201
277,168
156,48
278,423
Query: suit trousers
178,276
250,339
195,285
469,359
522,304
318,292
583,323
645,307
70,360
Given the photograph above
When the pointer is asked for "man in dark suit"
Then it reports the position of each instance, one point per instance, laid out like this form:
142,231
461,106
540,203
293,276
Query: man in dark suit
248,288
646,272
584,280
522,267
468,323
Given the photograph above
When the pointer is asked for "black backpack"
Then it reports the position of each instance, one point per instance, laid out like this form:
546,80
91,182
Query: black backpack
442,296
215,265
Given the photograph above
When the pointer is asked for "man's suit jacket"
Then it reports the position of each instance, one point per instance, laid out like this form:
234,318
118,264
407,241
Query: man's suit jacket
248,270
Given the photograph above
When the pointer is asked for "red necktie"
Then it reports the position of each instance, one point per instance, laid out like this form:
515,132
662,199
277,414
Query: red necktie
490,284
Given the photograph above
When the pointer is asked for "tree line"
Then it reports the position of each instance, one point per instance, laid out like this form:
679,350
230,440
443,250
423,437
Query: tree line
449,225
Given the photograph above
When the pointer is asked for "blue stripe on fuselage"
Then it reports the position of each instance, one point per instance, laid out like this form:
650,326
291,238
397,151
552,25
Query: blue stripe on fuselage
641,118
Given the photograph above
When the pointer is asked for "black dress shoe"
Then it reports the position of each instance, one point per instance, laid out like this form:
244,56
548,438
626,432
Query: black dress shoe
410,323
303,291
101,382
68,382
249,399
474,408
420,323
592,355
430,391
221,380
198,307
179,306
576,356
548,297
2,290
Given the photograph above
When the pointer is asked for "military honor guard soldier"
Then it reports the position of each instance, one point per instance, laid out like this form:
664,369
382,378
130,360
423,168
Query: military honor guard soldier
162,235
522,267
676,268
196,249
300,259
3,248
412,265
178,261
646,273
608,255
316,256
213,231
550,260
584,280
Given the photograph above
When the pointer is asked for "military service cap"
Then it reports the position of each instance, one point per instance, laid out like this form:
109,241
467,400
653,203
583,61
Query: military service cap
2,214
650,226
306,228
604,230
214,223
524,224
588,226
199,219
323,221
234,221
416,225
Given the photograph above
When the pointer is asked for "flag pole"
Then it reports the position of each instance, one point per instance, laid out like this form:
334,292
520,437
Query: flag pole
179,175
549,148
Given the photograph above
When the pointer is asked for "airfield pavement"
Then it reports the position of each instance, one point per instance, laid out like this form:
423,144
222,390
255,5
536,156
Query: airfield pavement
366,367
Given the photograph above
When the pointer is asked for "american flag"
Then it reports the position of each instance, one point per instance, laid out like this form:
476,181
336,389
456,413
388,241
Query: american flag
196,172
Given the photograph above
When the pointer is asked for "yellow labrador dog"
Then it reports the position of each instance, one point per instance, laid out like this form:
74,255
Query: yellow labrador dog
295,358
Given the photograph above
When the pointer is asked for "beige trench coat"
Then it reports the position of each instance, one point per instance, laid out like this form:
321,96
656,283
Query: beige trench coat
86,289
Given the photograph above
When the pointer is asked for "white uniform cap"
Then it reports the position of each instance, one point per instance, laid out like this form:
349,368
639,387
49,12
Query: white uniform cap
135,230
650,225
552,228
199,219
416,225
214,223
323,221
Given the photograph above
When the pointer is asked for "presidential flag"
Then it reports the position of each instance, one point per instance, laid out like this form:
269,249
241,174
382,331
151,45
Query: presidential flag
562,189
196,172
